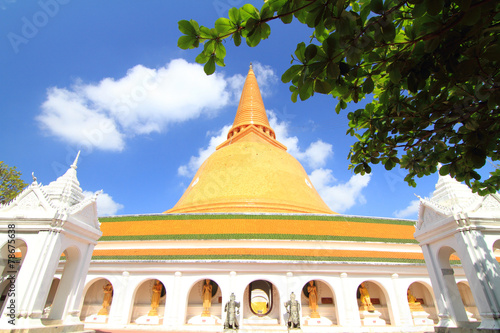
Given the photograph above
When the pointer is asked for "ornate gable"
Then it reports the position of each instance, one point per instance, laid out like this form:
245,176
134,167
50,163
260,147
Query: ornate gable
33,201
453,199
62,199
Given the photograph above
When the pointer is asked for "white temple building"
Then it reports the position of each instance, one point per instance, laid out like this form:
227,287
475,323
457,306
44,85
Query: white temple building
250,224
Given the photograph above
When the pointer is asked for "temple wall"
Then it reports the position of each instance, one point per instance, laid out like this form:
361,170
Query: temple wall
337,285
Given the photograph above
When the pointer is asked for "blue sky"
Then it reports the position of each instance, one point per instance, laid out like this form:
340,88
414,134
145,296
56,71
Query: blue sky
107,78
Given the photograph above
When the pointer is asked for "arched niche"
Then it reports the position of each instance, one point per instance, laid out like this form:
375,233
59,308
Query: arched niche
447,257
198,296
94,299
326,302
496,248
374,293
12,256
149,301
261,303
70,258
50,297
420,298
468,301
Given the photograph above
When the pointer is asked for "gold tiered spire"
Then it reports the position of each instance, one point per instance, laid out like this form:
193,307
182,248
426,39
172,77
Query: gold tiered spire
251,117
251,109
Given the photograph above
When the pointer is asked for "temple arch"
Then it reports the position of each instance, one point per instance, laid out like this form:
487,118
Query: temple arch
71,260
379,313
261,303
326,303
50,297
421,300
496,248
468,301
16,253
93,301
446,257
204,303
20,250
143,311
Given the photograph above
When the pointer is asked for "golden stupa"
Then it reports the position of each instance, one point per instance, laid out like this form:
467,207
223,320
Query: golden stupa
251,171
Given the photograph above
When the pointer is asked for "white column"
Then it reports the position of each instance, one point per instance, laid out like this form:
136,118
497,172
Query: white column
481,269
401,306
72,314
451,309
180,301
34,282
121,303
350,303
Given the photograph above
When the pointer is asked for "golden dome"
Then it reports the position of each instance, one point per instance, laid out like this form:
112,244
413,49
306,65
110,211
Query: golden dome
251,171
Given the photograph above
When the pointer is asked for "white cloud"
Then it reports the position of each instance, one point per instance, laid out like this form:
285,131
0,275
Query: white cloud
266,78
105,203
145,100
188,170
339,197
410,211
67,116
315,156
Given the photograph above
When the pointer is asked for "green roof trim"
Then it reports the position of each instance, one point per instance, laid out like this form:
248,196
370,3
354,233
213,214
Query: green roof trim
257,236
337,218
258,257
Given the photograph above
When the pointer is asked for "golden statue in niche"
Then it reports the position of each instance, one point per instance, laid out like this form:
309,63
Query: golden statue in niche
207,298
313,299
106,302
415,306
364,297
155,298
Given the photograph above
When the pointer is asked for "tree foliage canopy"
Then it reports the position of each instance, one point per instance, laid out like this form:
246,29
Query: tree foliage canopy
11,183
430,69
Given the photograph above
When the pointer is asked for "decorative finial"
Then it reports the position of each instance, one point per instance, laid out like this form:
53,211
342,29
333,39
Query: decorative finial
251,65
76,160
34,178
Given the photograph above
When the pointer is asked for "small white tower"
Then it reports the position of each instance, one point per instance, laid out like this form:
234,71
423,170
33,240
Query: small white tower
457,221
39,226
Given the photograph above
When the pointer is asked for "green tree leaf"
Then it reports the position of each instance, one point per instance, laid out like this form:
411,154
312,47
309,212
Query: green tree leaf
188,27
430,69
209,67
11,183
223,25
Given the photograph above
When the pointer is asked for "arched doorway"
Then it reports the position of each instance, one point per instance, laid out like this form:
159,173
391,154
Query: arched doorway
496,249
204,305
374,308
320,292
447,257
70,258
261,303
468,301
12,258
50,298
422,305
149,303
97,301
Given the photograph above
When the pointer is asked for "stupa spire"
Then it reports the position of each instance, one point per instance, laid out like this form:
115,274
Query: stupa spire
76,161
251,110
